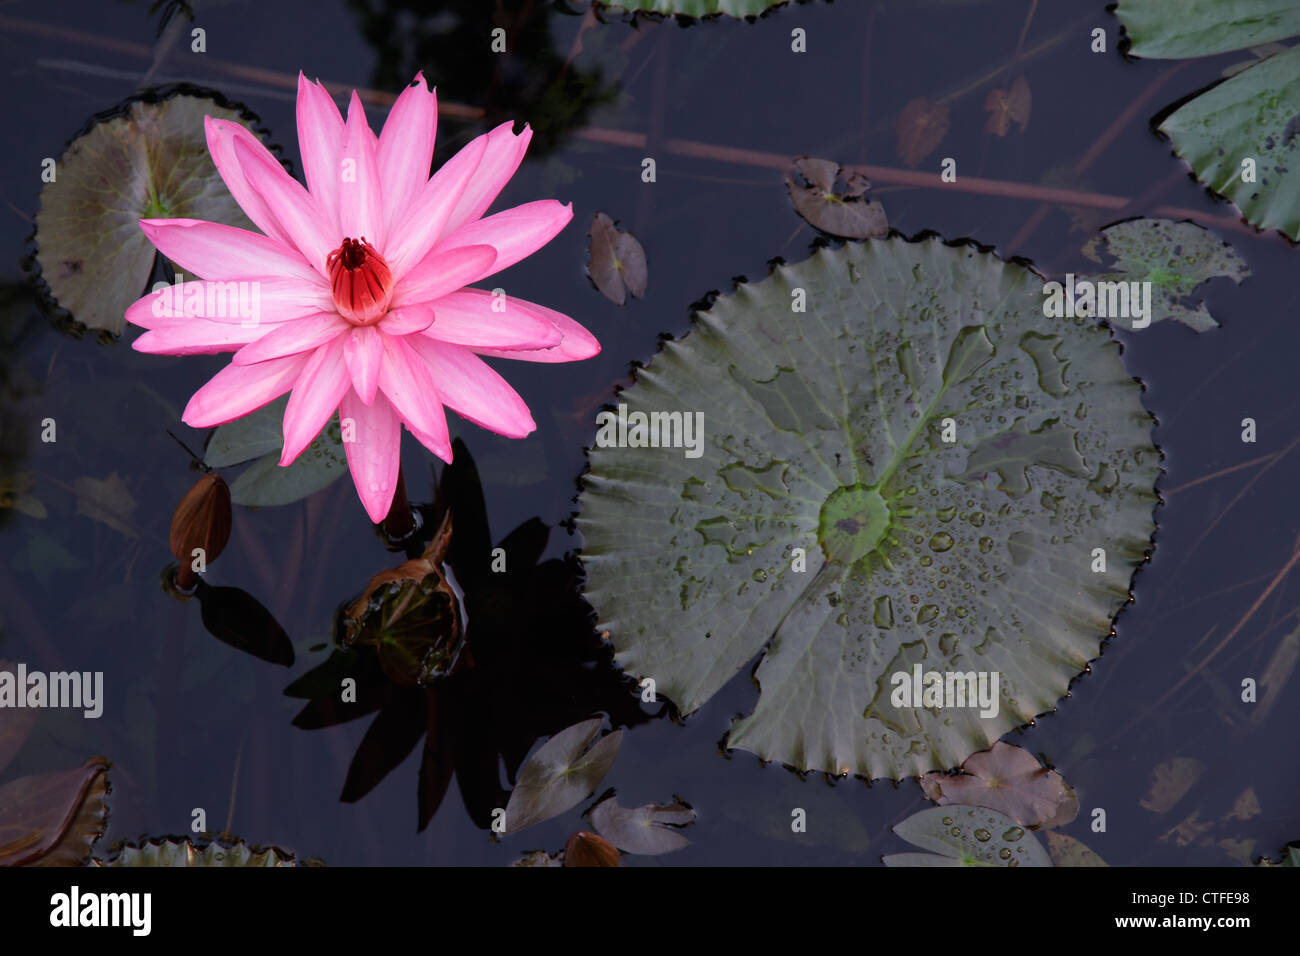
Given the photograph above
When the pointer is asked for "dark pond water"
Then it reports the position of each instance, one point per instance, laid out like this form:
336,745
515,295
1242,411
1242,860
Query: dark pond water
191,723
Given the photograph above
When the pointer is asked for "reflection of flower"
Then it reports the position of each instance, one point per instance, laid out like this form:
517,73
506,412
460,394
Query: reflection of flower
354,298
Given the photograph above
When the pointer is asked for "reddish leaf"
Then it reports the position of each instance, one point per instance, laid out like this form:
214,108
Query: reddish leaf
618,263
1010,780
38,813
839,214
921,127
645,830
587,849
1005,108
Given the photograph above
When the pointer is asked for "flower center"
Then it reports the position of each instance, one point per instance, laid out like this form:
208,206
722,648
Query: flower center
360,280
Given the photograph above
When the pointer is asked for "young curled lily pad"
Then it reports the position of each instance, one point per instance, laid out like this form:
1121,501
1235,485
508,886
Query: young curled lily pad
846,213
617,265
1008,779
146,158
647,830
967,836
911,476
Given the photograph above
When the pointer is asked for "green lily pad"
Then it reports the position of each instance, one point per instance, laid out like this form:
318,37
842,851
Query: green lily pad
967,836
696,8
145,158
1179,29
260,435
181,851
1176,258
561,774
827,523
1253,115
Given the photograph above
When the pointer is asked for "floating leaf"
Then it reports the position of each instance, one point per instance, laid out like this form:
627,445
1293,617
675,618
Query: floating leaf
202,520
1239,136
38,812
1008,779
15,493
1290,856
617,264
265,483
845,213
235,617
1007,107
695,8
107,501
181,851
1170,782
921,128
588,849
1176,258
1067,851
824,432
563,772
256,434
647,830
145,158
967,836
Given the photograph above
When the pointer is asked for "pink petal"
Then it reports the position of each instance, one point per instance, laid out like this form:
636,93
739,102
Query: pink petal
195,336
317,393
406,381
577,344
412,235
364,352
222,136
504,152
487,321
294,209
408,321
514,233
237,390
374,456
290,338
213,251
267,302
320,141
406,148
361,200
439,274
468,386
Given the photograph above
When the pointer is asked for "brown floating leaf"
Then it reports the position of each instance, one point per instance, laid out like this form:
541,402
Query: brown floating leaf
617,264
1010,780
647,830
107,501
1067,851
1004,108
39,811
15,723
921,127
588,849
1170,781
202,520
844,214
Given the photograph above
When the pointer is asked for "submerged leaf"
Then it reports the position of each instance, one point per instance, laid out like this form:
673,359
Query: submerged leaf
1170,782
564,771
617,264
145,159
107,501
908,478
1007,107
1176,258
921,128
647,830
967,836
844,214
1008,779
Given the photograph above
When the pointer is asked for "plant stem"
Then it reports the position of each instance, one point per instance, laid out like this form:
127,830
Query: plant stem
401,520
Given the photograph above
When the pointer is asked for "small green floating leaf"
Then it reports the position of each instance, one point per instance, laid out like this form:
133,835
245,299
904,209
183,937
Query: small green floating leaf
145,158
648,830
1176,258
1178,29
905,476
967,836
562,773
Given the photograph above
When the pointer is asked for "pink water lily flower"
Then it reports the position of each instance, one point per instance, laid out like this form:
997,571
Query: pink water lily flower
354,297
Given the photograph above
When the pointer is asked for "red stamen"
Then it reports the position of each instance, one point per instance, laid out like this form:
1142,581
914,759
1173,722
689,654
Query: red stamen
360,281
